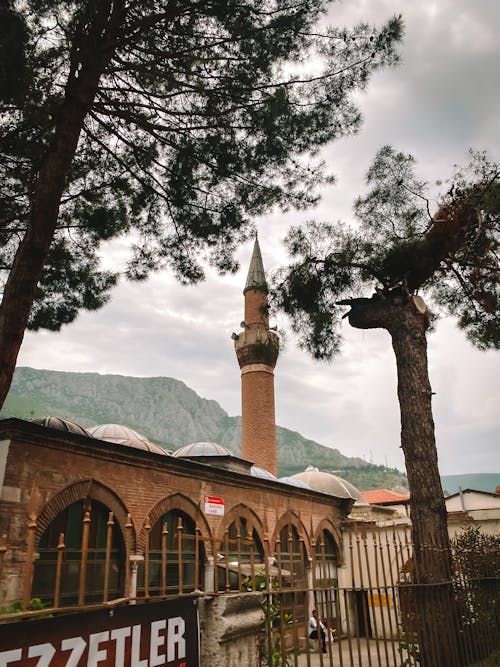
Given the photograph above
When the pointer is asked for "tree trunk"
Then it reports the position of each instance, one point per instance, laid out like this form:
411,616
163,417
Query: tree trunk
20,287
435,617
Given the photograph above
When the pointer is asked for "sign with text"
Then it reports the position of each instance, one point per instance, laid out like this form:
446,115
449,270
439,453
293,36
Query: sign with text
143,635
214,505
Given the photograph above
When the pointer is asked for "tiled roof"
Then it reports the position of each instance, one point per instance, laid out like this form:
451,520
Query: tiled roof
384,497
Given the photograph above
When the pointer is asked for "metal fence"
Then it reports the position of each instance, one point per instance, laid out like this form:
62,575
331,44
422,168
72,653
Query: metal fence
368,611
364,594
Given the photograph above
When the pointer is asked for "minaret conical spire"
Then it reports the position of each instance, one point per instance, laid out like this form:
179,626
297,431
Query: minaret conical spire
256,278
257,349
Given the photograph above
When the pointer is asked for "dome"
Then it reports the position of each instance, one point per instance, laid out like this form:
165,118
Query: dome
294,482
255,471
61,425
122,435
202,449
325,482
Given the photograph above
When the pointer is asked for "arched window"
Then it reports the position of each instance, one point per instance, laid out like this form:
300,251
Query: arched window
240,558
291,569
325,561
174,556
86,536
291,555
325,580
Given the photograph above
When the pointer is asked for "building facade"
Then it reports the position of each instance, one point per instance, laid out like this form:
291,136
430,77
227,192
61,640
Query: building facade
57,483
89,516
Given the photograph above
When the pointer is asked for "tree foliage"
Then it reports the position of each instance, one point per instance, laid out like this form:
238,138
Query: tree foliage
477,591
195,117
398,250
378,269
477,554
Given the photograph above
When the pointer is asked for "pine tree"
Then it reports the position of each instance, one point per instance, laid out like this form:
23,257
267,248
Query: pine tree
380,269
171,122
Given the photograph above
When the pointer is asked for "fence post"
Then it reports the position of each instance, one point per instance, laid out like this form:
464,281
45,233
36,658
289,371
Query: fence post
3,549
180,553
85,553
147,529
197,541
129,526
226,550
109,539
30,560
164,538
60,551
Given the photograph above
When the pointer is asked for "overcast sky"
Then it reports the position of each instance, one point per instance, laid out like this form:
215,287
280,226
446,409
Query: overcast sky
443,99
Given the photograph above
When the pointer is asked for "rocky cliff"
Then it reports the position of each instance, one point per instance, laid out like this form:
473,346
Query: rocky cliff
171,414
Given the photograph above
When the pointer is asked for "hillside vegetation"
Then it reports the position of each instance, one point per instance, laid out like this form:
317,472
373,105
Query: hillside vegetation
171,414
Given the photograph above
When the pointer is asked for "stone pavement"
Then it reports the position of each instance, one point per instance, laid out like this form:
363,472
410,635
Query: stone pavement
356,652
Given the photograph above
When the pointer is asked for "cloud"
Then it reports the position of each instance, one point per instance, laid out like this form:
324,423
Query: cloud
441,100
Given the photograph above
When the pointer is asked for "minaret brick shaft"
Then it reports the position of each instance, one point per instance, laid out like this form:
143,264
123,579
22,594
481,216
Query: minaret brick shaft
257,349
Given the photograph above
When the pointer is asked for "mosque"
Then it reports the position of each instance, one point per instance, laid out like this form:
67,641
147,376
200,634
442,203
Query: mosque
126,506
102,518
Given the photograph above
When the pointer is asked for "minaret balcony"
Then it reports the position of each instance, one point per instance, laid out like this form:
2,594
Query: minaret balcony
257,346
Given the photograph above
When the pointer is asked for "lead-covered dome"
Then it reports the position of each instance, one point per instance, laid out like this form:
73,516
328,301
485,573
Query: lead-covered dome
255,471
122,435
201,449
326,482
293,481
61,425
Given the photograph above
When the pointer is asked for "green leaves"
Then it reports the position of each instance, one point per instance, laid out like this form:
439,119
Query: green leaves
307,290
395,208
205,115
398,249
69,283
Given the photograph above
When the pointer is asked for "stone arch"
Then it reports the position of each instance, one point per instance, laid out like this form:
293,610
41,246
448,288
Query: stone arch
246,513
292,563
290,517
178,502
326,524
253,521
92,490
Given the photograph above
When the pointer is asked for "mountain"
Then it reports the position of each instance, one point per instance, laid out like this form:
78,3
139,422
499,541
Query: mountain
171,414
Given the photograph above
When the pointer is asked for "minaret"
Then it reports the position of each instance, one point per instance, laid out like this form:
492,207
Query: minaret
257,349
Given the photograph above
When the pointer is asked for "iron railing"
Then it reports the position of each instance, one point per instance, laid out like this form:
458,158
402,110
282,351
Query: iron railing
365,596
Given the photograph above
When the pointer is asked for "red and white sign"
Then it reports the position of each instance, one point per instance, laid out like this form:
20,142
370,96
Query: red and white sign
214,505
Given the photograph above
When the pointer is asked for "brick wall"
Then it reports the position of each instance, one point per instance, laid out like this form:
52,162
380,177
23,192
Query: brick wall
46,472
258,424
256,303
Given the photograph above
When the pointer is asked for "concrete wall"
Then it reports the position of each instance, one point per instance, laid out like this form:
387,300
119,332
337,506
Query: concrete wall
472,500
